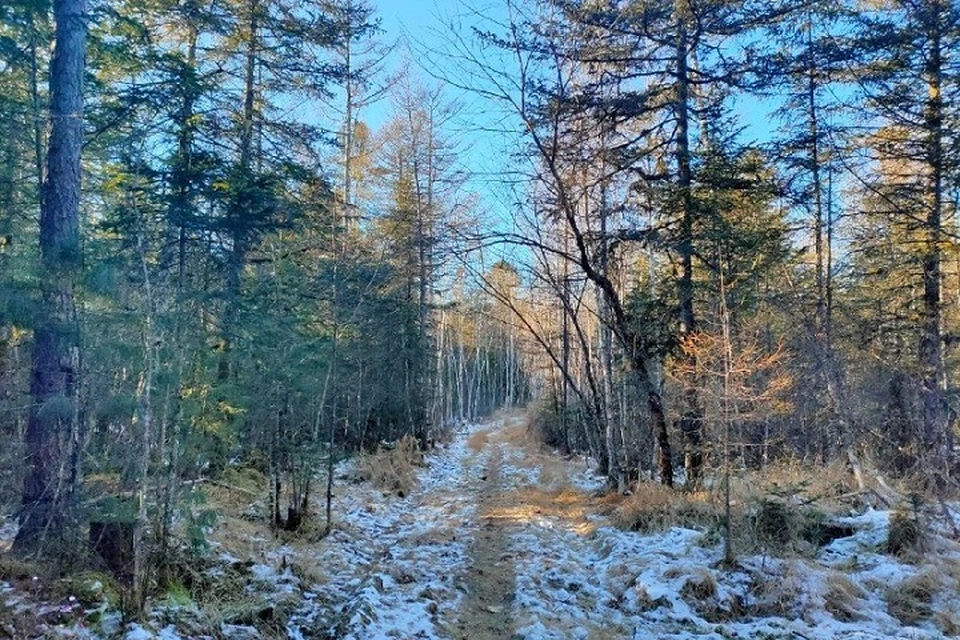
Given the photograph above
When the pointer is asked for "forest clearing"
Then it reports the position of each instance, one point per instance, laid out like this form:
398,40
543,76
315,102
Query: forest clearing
497,537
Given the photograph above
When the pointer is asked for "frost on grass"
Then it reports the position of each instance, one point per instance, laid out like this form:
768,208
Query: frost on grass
397,567
390,565
670,583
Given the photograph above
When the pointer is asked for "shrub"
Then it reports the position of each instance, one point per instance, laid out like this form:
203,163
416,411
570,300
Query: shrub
393,468
778,592
775,523
904,535
654,507
843,597
699,587
910,601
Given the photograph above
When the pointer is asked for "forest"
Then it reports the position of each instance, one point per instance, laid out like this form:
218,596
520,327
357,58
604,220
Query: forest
271,270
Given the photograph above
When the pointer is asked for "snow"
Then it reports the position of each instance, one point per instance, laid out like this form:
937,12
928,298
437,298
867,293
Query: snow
571,584
399,557
401,567
136,632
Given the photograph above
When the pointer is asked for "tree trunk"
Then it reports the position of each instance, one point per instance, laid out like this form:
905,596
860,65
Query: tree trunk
692,420
145,418
931,341
53,384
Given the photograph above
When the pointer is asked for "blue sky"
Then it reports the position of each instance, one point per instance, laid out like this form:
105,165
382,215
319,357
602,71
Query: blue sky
408,21
423,24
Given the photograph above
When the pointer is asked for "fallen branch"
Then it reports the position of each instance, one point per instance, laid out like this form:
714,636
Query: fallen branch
230,487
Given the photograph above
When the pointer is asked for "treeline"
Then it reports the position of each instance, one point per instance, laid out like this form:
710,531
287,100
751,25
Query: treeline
741,230
248,274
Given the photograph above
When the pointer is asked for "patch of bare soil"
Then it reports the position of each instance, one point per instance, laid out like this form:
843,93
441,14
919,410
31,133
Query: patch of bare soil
505,505
486,609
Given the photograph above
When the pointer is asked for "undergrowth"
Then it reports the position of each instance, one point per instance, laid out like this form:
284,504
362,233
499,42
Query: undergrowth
782,510
392,468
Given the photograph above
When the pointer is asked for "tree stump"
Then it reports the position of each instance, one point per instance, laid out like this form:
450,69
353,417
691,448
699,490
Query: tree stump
113,541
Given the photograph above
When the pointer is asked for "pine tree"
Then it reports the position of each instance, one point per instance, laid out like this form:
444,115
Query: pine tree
907,83
51,436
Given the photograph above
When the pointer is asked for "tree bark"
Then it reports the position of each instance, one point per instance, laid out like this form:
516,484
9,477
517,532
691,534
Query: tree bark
931,341
53,384
691,422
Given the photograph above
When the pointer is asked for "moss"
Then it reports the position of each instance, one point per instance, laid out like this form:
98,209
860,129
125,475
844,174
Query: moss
178,595
92,588
245,478
14,569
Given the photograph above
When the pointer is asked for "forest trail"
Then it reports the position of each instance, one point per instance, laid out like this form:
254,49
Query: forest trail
501,538
475,552
531,503
519,512
485,612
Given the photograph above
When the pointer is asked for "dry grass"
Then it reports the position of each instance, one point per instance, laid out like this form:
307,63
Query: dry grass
229,501
947,615
701,591
911,600
654,507
554,474
843,597
699,587
905,537
517,433
948,620
778,594
478,440
784,510
824,485
570,506
392,469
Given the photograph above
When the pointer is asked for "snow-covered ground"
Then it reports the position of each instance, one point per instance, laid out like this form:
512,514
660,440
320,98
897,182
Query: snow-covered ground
499,540
573,575
395,562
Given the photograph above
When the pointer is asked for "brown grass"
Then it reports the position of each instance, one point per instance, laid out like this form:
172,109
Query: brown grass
842,598
653,507
525,504
910,601
699,587
774,511
516,432
477,441
905,537
393,470
947,616
777,594
824,485
948,621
